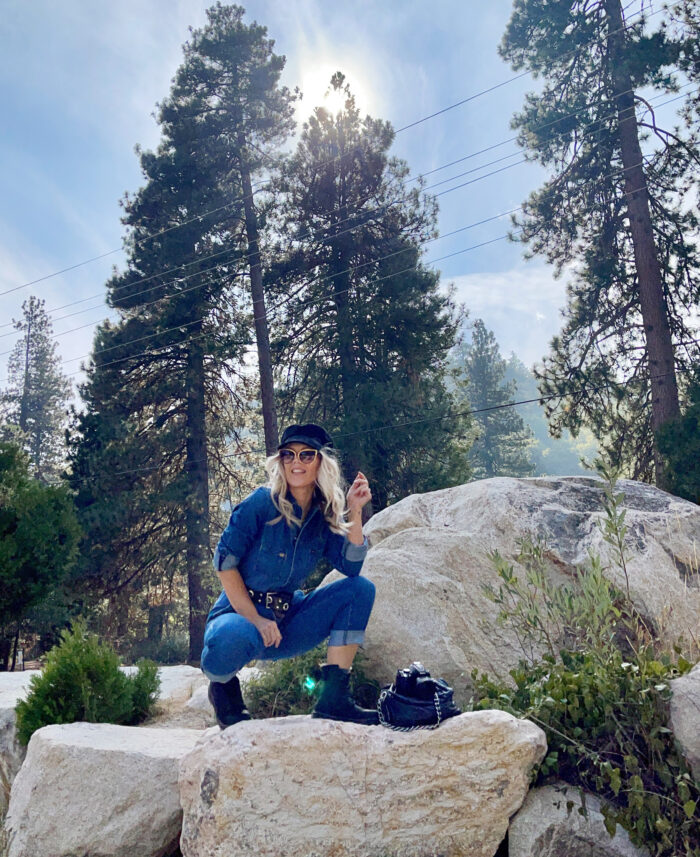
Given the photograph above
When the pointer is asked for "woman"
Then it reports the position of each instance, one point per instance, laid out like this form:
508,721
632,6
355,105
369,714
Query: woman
273,540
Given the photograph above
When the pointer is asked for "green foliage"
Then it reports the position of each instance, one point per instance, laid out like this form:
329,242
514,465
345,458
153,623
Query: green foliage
605,713
545,614
33,407
363,329
38,537
171,649
597,371
606,726
291,686
81,681
503,443
679,442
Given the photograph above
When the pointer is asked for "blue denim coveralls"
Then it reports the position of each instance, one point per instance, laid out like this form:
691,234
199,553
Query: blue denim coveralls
272,556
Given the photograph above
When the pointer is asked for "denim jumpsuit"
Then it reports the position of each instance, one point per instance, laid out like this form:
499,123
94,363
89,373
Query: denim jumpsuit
270,556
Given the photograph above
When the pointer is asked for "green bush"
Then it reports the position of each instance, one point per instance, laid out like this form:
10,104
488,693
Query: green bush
82,681
290,686
601,694
606,726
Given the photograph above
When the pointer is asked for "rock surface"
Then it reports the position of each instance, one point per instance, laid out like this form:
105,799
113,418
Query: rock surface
429,561
545,827
685,716
301,787
13,687
98,789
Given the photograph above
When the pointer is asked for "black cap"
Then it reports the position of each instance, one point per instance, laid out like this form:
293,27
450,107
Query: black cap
310,434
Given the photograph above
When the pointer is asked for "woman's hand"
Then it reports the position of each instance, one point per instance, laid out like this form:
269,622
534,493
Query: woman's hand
358,494
268,631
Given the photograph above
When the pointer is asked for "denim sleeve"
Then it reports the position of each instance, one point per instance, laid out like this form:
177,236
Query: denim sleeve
240,533
344,555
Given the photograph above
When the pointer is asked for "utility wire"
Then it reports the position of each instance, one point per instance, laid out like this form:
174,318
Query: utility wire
456,104
373,261
393,426
591,126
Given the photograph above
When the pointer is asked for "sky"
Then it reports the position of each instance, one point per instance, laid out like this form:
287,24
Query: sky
79,83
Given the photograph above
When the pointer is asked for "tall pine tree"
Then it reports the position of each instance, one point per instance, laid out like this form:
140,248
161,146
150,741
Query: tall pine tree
362,331
165,375
617,207
35,402
503,442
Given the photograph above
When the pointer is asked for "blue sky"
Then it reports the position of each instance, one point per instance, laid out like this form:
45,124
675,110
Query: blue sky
79,83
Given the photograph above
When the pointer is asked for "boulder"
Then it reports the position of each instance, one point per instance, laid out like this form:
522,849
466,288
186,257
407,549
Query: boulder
98,789
178,684
549,824
13,687
310,788
429,561
685,716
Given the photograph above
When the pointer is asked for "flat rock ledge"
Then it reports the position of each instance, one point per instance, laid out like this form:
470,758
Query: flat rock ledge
100,790
300,787
685,716
549,824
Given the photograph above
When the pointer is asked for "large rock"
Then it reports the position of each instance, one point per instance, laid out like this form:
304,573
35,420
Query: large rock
549,824
301,787
98,789
178,685
429,561
13,687
685,716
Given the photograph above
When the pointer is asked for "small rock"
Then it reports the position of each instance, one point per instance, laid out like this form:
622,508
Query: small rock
685,716
545,827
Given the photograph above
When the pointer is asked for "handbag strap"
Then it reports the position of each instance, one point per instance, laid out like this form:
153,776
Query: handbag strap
383,695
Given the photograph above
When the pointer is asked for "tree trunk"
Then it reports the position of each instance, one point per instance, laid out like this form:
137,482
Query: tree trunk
664,388
197,505
262,336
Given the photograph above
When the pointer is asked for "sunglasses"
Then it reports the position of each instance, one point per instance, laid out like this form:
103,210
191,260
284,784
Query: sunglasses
306,456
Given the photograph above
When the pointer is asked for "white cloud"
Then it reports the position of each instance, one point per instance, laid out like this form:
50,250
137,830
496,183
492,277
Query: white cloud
522,306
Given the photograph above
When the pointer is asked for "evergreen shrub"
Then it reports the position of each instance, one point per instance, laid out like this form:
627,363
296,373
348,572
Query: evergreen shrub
601,693
81,681
290,686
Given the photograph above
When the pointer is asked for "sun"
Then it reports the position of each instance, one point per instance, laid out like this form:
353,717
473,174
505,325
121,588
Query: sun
316,88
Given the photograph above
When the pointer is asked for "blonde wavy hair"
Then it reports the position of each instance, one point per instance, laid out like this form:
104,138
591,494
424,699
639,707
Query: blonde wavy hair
329,483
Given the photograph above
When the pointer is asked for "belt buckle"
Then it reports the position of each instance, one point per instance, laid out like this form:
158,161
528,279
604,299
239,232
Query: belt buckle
268,600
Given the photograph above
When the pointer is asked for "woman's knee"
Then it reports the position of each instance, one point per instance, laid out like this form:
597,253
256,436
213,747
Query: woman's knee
362,589
230,642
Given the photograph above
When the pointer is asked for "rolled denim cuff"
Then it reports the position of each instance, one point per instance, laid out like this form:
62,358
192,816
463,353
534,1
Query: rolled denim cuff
346,638
225,563
353,552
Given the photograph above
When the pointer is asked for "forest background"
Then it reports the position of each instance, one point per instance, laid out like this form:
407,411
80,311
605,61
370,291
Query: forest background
278,271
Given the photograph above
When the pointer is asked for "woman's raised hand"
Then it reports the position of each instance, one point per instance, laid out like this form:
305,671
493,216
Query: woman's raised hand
358,494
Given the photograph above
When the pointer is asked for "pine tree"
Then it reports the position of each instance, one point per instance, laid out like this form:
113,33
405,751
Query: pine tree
503,442
35,402
162,377
362,331
617,210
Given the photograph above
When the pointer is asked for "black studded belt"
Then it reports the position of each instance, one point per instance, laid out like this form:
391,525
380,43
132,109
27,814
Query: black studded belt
278,602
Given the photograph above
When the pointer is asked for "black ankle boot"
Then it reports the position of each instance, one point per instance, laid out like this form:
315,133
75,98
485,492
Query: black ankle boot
227,699
335,702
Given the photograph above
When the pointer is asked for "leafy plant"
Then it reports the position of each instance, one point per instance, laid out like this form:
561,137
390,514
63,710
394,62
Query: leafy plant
606,726
290,686
82,681
601,692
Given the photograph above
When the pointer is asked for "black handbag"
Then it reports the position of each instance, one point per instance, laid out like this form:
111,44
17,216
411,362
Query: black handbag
415,701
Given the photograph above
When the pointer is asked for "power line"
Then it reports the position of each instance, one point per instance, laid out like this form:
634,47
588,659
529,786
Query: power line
456,104
321,279
397,425
591,126
313,300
